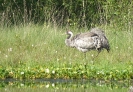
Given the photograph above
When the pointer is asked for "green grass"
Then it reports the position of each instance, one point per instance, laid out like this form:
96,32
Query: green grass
42,47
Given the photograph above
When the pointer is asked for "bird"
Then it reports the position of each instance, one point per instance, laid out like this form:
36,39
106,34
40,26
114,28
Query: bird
94,39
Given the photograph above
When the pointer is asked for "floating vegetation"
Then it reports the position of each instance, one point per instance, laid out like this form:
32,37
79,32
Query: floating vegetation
68,71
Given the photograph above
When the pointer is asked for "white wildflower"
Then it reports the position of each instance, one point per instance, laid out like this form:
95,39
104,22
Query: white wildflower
116,47
82,71
10,49
22,73
21,84
58,59
98,84
47,86
5,89
47,70
75,72
53,85
28,68
6,56
53,72
56,51
10,72
64,57
98,72
129,48
57,69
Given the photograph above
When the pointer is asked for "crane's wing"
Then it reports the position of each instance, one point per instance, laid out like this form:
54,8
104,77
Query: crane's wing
86,34
87,42
103,38
97,31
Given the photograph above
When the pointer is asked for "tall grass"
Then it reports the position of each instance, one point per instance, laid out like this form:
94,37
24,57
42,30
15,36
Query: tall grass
23,42
44,44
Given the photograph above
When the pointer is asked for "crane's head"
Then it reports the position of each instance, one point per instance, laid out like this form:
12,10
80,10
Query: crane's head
69,32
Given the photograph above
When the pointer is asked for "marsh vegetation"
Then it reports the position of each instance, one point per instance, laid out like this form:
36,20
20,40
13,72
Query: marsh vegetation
32,35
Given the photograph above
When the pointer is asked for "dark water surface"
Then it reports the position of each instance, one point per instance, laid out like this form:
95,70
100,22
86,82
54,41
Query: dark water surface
63,85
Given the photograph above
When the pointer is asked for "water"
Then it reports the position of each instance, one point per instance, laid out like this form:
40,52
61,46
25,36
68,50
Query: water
62,85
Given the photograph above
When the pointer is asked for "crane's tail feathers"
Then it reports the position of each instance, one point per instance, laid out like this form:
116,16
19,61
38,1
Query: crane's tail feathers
108,49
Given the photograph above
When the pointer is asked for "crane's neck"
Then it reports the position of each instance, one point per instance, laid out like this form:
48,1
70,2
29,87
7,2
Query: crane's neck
70,35
69,41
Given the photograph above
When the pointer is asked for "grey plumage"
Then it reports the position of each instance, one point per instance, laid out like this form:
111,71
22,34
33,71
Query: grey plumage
93,40
103,38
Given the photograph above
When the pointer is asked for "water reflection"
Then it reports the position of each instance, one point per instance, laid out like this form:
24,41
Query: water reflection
55,84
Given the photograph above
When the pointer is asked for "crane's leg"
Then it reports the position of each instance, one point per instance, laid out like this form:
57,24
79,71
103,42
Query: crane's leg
98,52
85,55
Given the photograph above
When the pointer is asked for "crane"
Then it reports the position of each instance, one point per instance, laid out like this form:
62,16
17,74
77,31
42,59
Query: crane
94,39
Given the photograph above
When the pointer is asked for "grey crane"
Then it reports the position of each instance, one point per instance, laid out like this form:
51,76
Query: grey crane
95,39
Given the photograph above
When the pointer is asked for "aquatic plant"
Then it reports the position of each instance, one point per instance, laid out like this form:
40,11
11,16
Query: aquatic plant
67,71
